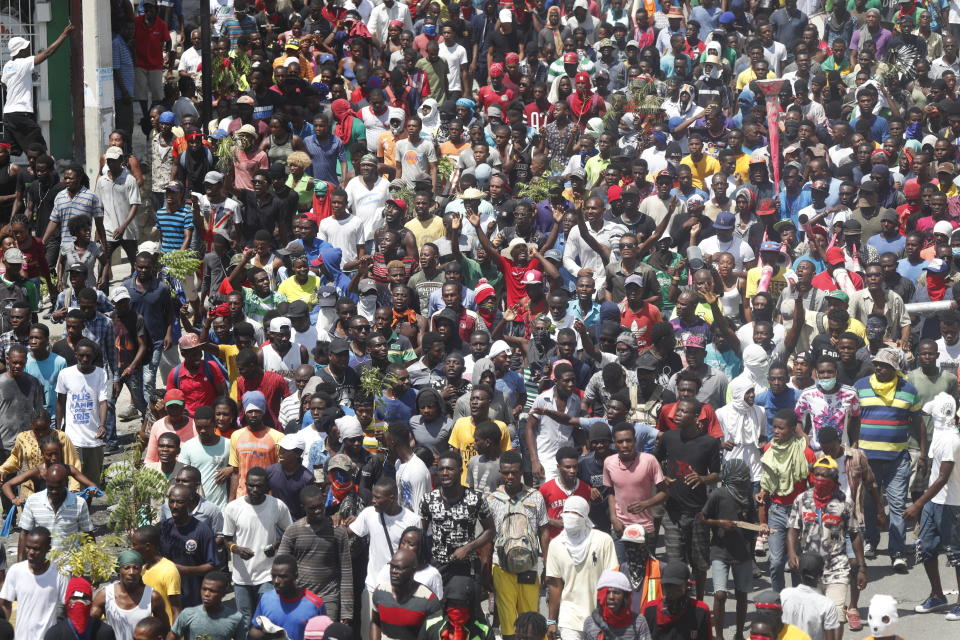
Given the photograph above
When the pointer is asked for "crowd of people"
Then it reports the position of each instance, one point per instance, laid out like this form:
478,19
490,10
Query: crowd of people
535,320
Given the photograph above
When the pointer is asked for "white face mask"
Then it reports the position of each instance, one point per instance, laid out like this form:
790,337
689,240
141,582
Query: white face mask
882,617
573,523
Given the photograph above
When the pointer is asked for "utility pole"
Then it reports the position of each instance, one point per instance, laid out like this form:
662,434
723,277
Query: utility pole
98,97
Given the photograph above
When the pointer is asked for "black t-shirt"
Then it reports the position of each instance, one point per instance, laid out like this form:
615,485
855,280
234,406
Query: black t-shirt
679,457
849,375
98,630
668,366
503,43
590,471
257,215
63,349
729,546
693,623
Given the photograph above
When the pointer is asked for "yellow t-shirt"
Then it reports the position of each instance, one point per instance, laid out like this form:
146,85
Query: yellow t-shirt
164,578
748,75
777,283
790,632
307,292
461,439
228,356
430,231
702,170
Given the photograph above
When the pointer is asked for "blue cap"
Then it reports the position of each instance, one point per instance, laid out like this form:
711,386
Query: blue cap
725,221
674,122
167,117
254,400
768,245
938,266
430,30
727,17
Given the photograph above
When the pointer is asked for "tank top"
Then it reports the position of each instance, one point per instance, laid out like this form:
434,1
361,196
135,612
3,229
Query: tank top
124,620
279,152
730,300
286,365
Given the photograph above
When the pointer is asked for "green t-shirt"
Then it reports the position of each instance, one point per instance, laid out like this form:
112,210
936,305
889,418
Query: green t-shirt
30,290
664,279
194,623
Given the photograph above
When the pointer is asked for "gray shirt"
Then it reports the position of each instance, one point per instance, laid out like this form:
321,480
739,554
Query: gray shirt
20,398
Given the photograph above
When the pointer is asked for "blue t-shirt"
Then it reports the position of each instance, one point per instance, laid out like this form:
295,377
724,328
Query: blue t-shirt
911,272
771,403
397,410
512,387
882,245
292,615
192,545
46,371
173,226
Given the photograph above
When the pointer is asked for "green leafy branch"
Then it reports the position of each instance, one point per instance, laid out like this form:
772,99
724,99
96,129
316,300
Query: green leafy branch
134,492
79,555
180,263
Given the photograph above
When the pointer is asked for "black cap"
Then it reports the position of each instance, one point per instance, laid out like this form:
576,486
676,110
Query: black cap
676,573
599,431
447,314
459,589
298,309
339,345
868,186
852,228
78,267
647,361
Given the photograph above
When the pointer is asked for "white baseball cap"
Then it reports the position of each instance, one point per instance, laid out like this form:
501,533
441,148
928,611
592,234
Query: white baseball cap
505,15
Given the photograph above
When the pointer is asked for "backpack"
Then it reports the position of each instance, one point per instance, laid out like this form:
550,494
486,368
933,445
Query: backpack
516,540
10,294
207,372
647,412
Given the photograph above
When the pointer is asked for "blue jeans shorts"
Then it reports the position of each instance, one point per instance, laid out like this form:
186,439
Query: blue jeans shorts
742,575
939,533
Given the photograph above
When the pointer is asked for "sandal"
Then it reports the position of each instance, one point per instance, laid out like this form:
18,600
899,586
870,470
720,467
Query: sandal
853,619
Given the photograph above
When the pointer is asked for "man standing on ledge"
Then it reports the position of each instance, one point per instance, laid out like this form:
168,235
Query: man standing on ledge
20,127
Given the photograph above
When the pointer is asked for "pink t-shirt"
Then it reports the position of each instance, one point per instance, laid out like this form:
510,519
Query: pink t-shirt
631,483
163,426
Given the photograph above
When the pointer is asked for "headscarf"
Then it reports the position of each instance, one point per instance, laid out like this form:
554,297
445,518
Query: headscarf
825,488
344,116
469,104
610,579
78,613
576,528
129,556
595,128
331,257
582,104
756,362
431,121
735,477
784,464
557,30
739,420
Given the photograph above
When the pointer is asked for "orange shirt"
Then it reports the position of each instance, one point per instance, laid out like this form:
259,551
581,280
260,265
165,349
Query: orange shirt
249,450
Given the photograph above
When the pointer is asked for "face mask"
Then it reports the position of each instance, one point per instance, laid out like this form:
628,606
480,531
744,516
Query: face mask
573,523
882,617
625,358
827,384
956,252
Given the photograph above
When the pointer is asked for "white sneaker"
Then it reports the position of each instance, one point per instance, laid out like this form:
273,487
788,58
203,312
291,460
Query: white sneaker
869,551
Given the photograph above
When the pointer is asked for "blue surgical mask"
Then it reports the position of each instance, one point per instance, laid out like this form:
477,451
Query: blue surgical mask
956,252
827,384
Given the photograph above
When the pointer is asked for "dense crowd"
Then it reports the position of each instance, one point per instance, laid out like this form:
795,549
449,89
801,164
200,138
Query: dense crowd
537,320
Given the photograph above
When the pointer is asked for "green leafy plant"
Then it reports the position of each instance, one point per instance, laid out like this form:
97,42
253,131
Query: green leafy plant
537,190
445,168
224,150
134,491
180,263
79,555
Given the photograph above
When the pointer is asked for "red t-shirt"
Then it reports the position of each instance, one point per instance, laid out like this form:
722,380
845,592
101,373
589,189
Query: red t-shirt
488,96
554,496
200,388
707,420
274,388
148,42
536,117
35,259
639,322
825,282
512,275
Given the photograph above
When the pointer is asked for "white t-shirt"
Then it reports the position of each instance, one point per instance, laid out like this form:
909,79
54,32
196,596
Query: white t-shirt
84,394
190,61
429,577
38,598
254,527
455,56
17,76
369,523
367,204
949,359
739,249
945,447
344,234
116,196
413,482
378,124
208,460
808,610
580,581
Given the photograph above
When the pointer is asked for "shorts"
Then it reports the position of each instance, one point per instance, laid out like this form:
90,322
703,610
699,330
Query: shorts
148,84
838,595
742,575
687,540
939,533
513,598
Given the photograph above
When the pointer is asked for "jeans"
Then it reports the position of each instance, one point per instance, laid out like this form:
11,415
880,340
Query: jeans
134,384
778,519
248,597
150,371
893,476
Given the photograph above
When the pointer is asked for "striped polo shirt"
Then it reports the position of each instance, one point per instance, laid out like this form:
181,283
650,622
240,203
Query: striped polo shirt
885,428
173,225
66,208
403,620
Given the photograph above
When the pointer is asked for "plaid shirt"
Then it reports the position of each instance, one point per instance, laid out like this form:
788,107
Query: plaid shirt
100,330
7,340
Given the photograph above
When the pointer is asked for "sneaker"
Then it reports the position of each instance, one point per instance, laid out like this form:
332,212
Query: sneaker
130,414
869,551
853,619
900,565
954,613
930,604
112,448
760,548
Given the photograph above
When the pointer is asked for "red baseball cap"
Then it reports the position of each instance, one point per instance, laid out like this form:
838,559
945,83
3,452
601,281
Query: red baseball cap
834,255
571,57
614,193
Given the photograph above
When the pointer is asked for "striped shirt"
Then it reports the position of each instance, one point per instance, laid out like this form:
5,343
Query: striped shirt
173,226
403,620
65,208
72,516
885,428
